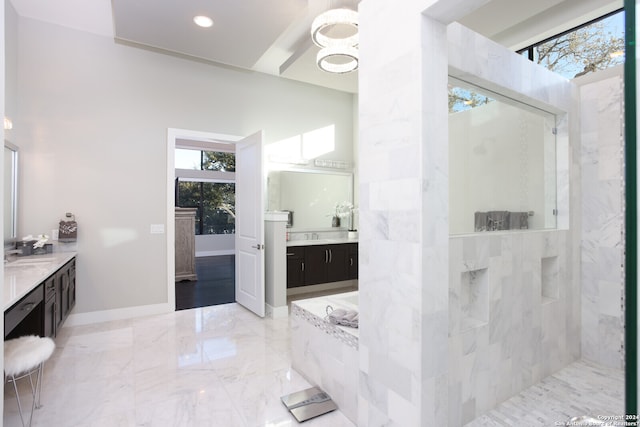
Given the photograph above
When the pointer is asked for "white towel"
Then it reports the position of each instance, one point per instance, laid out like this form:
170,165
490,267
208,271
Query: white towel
343,317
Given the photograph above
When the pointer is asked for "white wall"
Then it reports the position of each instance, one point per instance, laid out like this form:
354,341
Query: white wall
92,126
215,244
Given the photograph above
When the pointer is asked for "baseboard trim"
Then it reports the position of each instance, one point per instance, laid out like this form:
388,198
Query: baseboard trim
117,314
277,312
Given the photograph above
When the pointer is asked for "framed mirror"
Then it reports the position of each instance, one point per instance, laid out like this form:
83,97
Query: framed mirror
10,193
312,196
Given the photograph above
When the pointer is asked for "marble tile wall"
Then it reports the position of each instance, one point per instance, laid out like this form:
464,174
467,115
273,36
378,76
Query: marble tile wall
602,218
526,335
404,358
325,355
403,158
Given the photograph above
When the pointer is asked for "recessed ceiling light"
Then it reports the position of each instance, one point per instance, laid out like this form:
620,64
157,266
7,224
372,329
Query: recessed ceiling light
203,21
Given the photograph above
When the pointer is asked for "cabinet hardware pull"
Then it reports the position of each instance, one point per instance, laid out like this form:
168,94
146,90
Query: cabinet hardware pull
303,266
351,262
326,256
290,254
330,256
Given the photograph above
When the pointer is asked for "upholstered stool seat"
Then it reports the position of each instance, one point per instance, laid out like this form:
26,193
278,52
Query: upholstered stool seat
23,357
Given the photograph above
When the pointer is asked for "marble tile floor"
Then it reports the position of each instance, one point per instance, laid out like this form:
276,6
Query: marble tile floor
223,366
582,388
211,366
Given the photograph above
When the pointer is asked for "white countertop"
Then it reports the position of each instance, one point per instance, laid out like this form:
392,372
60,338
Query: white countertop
310,242
23,274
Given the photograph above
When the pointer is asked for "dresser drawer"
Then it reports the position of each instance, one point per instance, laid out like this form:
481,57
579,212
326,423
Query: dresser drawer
21,309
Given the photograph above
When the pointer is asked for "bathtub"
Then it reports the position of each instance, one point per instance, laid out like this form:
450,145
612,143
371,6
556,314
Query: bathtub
324,353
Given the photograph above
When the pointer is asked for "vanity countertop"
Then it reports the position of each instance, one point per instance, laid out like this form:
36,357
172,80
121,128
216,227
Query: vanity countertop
310,242
23,274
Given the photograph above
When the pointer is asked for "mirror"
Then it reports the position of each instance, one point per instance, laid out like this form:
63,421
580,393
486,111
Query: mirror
502,163
310,194
10,193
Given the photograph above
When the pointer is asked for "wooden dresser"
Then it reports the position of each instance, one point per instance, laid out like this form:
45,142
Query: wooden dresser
185,244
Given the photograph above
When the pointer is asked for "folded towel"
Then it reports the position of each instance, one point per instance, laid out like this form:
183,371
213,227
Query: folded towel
519,220
480,220
343,317
498,220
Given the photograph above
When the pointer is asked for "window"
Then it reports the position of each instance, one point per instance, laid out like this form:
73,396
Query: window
215,202
595,45
205,160
205,180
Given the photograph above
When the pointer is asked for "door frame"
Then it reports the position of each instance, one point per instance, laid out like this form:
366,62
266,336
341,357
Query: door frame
174,134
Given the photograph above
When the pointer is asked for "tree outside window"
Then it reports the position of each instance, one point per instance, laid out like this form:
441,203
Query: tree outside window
595,46
214,201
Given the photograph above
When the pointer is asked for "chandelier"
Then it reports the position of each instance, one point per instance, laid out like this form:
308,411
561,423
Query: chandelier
338,54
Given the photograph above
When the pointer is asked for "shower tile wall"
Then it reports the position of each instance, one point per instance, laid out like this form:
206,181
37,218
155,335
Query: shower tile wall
404,359
529,332
602,218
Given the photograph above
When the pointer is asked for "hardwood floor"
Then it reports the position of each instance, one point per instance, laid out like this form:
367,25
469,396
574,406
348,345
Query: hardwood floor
215,284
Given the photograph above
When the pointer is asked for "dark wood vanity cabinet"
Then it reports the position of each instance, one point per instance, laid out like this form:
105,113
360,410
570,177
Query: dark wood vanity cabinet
295,266
353,260
65,280
50,314
25,316
316,258
315,264
45,308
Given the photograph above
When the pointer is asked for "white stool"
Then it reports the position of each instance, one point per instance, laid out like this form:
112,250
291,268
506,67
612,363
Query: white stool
22,357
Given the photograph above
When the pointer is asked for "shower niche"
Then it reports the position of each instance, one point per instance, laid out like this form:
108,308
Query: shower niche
550,289
474,299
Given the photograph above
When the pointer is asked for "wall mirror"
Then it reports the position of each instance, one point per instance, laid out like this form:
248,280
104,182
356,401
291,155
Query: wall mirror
10,193
310,194
502,162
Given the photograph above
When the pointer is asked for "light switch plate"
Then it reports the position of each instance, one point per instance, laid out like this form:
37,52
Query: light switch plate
157,229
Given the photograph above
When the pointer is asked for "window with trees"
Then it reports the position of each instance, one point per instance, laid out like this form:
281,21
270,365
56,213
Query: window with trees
205,180
593,46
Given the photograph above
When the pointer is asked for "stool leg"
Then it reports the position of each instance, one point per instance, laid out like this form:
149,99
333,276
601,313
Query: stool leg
34,391
39,385
15,387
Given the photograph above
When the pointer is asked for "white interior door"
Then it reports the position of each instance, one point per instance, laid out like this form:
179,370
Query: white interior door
250,224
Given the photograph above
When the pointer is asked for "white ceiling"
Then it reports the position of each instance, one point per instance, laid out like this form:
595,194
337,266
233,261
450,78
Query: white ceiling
272,36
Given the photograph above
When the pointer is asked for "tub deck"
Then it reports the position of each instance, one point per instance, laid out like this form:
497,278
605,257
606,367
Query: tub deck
324,353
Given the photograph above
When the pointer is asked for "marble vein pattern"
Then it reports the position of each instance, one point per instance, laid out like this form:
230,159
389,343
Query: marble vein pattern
513,319
212,366
602,248
582,388
326,354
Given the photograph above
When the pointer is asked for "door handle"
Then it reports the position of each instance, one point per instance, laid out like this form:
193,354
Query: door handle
258,246
326,256
330,256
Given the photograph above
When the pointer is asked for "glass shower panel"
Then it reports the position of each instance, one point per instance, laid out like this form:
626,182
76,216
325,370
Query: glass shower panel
502,163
